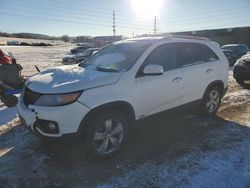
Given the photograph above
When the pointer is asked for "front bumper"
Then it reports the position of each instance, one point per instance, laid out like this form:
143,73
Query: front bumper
67,118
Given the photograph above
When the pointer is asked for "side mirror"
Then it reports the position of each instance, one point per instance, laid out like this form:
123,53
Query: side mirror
152,69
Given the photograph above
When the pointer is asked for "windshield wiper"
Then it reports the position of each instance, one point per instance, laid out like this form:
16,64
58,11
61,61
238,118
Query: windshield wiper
82,64
106,69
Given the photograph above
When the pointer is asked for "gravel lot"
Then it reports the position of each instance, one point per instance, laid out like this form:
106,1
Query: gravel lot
167,150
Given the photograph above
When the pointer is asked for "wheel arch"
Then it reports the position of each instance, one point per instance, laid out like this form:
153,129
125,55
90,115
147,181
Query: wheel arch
121,106
216,83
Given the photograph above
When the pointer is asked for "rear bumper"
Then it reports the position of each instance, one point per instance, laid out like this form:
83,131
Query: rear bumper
67,119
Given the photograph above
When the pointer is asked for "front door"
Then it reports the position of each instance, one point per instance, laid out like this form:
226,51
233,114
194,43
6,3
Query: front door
156,93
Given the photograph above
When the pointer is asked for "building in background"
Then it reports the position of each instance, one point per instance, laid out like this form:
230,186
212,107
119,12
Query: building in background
224,36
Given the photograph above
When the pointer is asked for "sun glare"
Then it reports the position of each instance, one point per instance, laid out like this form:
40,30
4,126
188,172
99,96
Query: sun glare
146,8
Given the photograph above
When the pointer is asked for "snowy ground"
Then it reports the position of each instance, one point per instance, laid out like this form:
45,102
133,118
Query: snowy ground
43,57
183,150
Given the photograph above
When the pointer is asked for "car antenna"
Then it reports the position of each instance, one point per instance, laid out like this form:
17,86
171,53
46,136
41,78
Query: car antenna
38,70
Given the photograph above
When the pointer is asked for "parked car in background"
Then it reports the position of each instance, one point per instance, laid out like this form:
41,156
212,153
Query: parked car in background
91,45
99,99
238,50
13,43
241,70
230,56
79,57
6,58
79,49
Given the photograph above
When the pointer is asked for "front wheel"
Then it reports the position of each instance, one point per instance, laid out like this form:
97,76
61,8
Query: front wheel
106,133
211,100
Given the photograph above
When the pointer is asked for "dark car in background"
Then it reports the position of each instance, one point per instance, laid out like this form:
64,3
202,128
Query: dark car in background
79,57
79,49
230,56
241,70
237,50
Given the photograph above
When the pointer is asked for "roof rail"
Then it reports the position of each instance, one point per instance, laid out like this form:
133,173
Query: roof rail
191,37
156,35
169,35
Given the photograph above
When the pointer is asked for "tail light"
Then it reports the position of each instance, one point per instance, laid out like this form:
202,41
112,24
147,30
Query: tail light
7,60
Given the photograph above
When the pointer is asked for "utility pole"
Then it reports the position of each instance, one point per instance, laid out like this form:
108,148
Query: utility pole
113,23
155,25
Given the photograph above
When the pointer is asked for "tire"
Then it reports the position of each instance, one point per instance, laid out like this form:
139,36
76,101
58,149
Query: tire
9,100
105,134
240,81
211,100
238,74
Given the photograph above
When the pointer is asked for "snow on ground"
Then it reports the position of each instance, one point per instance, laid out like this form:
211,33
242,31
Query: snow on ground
43,57
177,151
7,114
227,166
8,118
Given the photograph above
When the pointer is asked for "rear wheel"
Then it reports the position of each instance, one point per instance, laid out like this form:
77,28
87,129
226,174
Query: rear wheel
211,100
106,133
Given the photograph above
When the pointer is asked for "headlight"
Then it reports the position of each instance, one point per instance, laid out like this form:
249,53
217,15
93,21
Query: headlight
57,100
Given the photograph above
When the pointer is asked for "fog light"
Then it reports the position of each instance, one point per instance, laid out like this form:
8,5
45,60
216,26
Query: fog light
51,126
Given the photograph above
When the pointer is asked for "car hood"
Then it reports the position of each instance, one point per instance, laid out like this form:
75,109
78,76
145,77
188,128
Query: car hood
70,78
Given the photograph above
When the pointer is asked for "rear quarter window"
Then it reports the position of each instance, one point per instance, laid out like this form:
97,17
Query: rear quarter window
195,53
208,53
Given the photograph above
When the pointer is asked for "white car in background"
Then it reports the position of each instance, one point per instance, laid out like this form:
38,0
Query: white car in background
128,80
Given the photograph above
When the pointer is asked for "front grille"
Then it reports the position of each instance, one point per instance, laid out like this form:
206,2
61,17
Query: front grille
30,97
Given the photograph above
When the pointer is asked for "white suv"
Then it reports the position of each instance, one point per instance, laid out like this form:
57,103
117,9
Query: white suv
125,81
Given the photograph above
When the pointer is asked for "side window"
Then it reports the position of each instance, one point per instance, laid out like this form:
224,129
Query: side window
191,53
209,54
164,55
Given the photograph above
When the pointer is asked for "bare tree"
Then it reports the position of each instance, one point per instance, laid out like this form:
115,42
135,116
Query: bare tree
65,38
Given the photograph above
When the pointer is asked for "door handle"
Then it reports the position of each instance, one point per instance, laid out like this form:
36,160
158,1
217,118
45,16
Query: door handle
177,79
209,70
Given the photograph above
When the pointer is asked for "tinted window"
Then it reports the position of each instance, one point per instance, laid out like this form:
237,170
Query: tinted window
164,55
208,53
193,53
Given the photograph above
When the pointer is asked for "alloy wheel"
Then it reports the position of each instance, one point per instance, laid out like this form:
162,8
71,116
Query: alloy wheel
108,136
213,101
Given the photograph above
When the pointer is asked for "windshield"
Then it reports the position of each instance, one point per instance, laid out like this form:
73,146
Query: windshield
119,56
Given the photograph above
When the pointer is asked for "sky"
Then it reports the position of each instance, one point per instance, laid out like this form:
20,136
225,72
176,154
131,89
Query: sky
132,17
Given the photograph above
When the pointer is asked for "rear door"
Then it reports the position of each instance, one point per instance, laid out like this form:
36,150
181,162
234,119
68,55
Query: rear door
198,70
